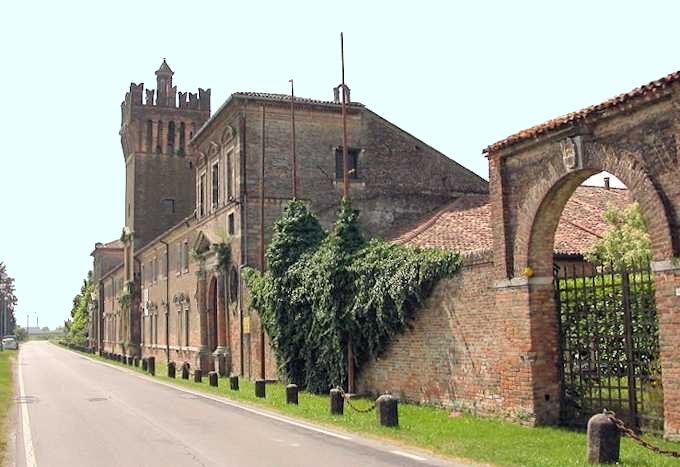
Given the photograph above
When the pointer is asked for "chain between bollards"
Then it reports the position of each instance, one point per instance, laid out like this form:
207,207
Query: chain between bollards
349,402
631,434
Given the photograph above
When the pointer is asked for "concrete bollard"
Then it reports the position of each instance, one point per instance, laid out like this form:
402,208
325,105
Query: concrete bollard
337,402
135,361
387,410
212,378
152,366
233,383
172,370
604,440
185,370
145,364
198,375
260,388
292,394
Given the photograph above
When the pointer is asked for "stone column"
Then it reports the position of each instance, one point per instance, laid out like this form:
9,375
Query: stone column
203,354
222,352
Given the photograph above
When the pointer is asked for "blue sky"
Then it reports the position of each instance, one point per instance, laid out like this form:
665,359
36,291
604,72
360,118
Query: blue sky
459,75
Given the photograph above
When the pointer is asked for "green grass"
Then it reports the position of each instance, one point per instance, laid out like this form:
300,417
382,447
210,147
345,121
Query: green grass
480,440
6,397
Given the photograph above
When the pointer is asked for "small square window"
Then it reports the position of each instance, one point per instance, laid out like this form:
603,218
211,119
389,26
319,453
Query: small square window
352,163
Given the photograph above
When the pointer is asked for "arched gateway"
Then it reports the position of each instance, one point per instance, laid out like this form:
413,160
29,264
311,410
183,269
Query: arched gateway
532,175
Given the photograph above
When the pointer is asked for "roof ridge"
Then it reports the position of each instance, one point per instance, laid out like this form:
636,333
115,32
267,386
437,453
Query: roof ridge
571,117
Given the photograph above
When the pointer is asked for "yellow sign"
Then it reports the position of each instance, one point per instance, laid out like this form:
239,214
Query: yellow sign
246,325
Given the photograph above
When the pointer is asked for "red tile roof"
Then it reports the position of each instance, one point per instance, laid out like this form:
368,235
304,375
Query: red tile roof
650,90
112,245
464,225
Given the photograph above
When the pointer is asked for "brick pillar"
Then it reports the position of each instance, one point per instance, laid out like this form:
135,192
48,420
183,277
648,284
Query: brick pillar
667,278
203,354
528,372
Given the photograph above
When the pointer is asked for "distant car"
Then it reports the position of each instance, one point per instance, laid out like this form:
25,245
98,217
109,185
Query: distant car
9,343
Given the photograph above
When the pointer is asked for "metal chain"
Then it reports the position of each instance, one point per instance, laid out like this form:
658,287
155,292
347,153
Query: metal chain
631,434
349,402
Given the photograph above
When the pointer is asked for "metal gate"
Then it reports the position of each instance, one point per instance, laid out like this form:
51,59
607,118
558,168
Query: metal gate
609,345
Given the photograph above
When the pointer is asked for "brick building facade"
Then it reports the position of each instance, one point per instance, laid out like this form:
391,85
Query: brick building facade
487,339
193,181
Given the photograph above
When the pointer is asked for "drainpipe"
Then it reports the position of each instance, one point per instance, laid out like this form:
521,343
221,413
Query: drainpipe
167,300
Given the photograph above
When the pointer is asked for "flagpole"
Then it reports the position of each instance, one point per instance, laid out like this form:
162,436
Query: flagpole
262,259
292,149
345,186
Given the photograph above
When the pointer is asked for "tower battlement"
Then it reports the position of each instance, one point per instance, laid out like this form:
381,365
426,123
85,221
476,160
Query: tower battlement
161,120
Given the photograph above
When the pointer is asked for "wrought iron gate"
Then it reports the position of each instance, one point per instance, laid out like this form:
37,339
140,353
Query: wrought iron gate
609,345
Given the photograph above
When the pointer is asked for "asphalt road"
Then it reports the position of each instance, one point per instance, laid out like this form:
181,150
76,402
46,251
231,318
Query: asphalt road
74,411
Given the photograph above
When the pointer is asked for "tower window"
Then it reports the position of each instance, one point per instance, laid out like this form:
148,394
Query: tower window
171,137
352,163
159,137
182,139
149,136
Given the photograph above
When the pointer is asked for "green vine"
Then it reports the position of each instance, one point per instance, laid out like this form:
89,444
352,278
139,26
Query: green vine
223,252
322,287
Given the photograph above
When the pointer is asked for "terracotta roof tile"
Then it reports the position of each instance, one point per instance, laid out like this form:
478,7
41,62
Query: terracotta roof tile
286,98
464,225
112,245
648,90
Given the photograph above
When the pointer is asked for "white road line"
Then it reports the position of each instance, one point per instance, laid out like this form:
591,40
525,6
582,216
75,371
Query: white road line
25,422
222,401
410,456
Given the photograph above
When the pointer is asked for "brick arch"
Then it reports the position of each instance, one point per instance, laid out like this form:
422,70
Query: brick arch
541,212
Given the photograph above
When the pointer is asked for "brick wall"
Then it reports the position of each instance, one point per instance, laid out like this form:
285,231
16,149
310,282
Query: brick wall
451,356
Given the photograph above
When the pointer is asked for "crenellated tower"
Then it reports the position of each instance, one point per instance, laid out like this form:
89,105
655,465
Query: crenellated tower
155,131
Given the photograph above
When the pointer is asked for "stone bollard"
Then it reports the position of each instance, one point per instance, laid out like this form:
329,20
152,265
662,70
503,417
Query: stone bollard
185,370
212,378
260,388
337,402
604,440
387,409
292,394
145,364
198,375
171,369
152,366
135,361
233,383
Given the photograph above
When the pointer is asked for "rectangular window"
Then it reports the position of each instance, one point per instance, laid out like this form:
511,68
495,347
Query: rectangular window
215,181
230,176
186,326
179,258
201,195
231,227
185,256
143,275
352,163
155,270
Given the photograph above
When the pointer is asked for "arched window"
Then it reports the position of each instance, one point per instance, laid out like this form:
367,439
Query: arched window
171,137
159,137
149,136
182,139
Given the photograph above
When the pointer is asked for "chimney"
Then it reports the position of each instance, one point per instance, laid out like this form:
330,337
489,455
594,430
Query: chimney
606,183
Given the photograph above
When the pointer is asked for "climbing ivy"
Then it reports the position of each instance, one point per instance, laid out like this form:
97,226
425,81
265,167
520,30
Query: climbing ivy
322,287
223,252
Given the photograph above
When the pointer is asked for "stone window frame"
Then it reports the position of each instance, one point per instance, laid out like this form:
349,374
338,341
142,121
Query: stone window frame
353,154
201,194
215,195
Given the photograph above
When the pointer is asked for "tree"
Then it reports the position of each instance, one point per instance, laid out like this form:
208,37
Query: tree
77,326
21,333
8,301
626,242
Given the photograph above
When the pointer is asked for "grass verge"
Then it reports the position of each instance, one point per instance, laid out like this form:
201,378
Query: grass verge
6,398
480,440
